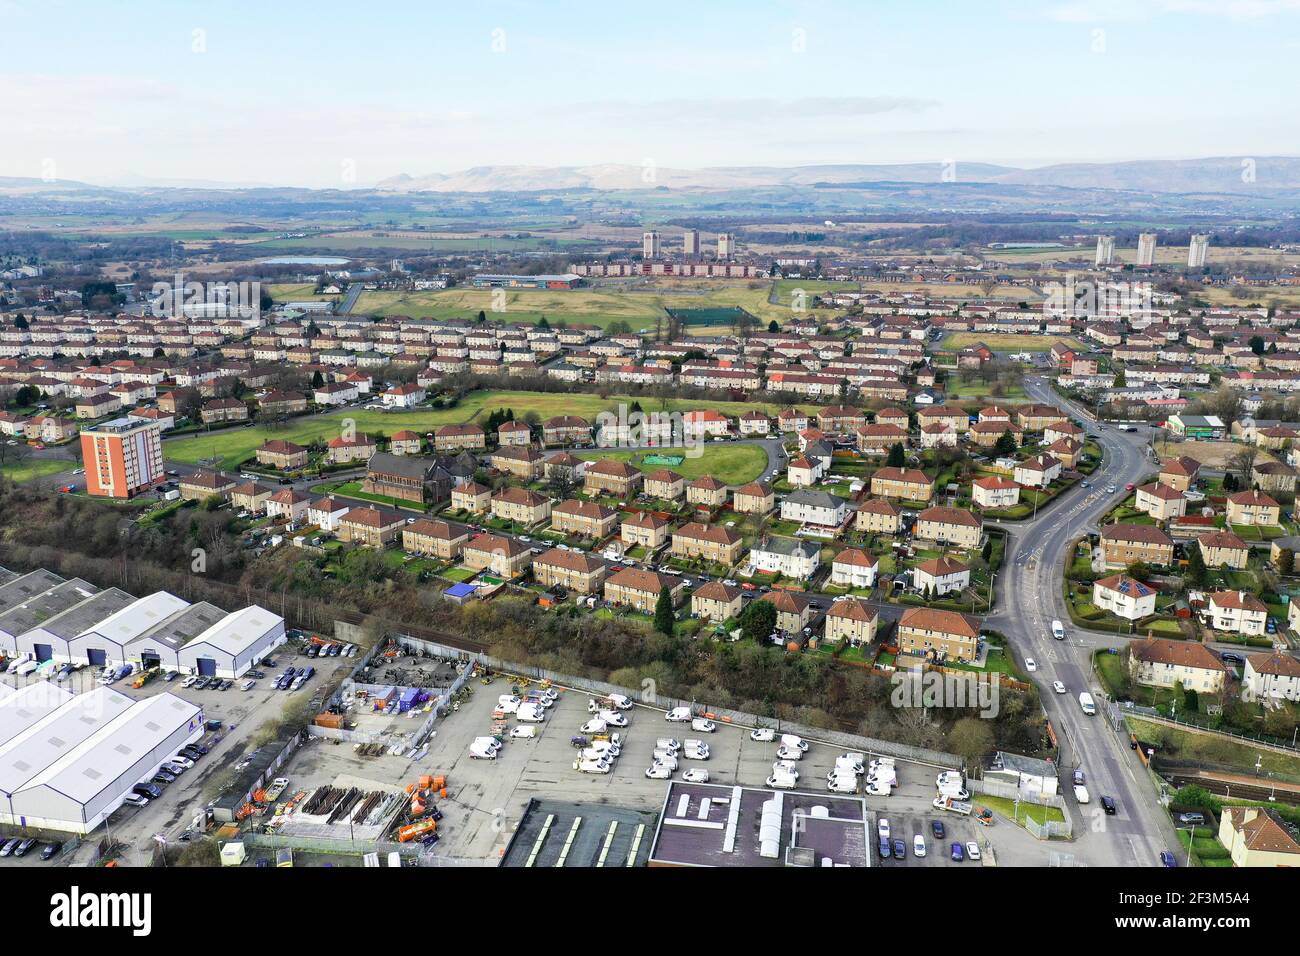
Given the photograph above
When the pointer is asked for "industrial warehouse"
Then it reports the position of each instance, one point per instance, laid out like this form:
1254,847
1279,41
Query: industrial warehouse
52,621
68,761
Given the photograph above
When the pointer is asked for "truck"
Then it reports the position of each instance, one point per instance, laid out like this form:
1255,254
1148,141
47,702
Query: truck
276,788
952,806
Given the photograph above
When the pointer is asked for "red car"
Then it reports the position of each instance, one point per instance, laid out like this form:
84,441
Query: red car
747,586
1130,486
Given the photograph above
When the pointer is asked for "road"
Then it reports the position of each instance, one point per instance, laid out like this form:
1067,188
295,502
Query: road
1030,599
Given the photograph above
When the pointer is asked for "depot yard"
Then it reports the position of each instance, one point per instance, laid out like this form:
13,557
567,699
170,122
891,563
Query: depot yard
487,799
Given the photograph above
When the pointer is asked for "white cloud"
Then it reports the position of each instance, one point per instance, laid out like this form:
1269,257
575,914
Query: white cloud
1095,11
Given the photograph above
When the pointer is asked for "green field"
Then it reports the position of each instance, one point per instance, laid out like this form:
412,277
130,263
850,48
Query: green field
1005,342
33,468
734,464
345,243
235,445
638,304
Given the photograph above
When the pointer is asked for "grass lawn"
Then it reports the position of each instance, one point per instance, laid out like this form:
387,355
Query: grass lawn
731,463
352,489
1007,342
1209,748
33,468
1007,808
236,445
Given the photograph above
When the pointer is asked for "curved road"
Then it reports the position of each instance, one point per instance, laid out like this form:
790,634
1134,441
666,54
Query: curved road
1030,599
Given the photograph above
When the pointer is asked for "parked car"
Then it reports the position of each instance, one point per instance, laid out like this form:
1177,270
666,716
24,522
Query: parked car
135,800
918,845
23,848
1193,817
973,850
900,848
48,851
936,827
10,846
957,853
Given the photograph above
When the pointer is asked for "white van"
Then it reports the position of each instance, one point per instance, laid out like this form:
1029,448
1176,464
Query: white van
527,733
530,715
668,743
790,740
679,715
1058,630
703,725
665,759
1086,702
782,781
842,784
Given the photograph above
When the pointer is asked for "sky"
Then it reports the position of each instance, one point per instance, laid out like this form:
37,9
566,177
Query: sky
330,94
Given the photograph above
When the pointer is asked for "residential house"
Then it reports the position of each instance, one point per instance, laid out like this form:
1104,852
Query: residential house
715,601
940,576
1158,662
1271,677
1236,611
434,538
371,525
755,498
1253,508
877,516
471,497
565,430
459,437
854,568
640,589
520,505
202,485
343,451
611,477
1257,836
993,492
288,504
710,542
706,492
1124,597
953,526
1037,472
909,484
504,557
852,620
1274,477
327,513
793,610
789,557
522,461
927,631
1160,501
285,455
644,529
664,485
1126,544
250,496
575,571
1220,549
585,518
405,442
815,507
1179,473
510,434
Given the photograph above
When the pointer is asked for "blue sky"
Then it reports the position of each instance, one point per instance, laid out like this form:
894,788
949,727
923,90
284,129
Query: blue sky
341,94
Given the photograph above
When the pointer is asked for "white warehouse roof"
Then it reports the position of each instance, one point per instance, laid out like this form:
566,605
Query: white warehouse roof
57,733
19,709
115,746
238,631
138,617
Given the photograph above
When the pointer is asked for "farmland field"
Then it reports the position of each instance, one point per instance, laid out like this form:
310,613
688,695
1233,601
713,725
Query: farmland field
32,468
235,445
733,464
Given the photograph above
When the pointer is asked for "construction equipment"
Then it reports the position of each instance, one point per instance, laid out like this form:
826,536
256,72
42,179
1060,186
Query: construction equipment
413,831
983,815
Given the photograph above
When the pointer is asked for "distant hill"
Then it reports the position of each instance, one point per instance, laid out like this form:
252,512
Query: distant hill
1223,174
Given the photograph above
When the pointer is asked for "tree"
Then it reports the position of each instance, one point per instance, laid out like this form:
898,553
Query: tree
1006,444
971,738
1285,561
617,327
897,456
664,612
987,551
1257,344
758,620
317,380
1243,463
1195,574
774,326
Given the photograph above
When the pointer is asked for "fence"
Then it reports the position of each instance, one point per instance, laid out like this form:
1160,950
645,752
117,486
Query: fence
647,698
1047,830
254,840
1150,714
